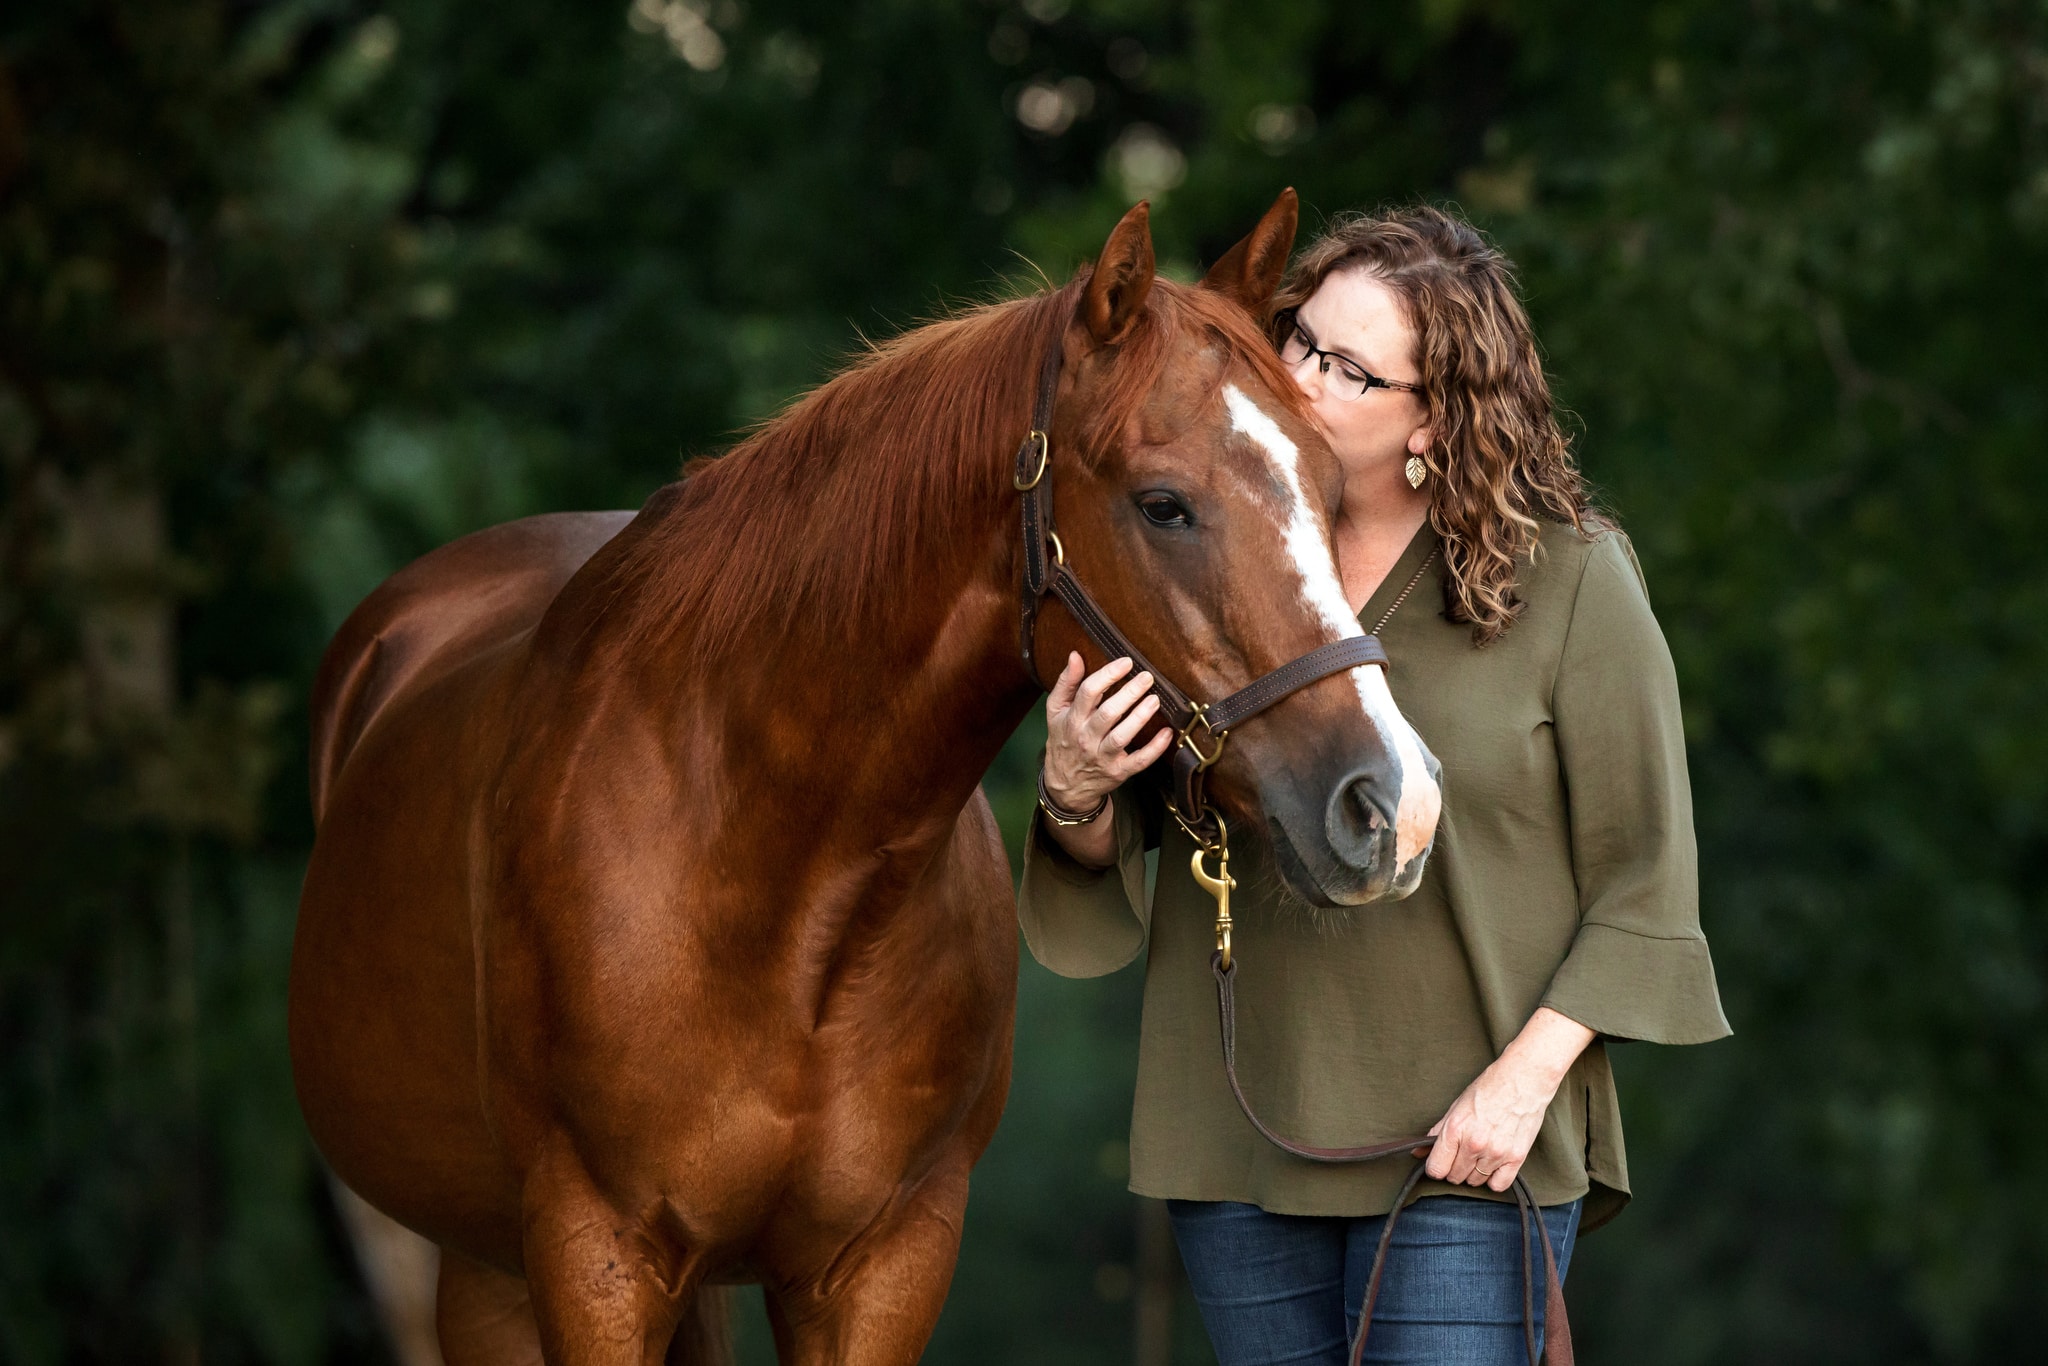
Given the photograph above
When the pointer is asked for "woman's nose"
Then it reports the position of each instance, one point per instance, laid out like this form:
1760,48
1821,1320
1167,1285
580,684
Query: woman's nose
1308,377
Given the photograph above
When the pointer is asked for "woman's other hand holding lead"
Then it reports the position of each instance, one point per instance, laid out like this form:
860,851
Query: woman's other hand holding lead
1485,1137
1088,730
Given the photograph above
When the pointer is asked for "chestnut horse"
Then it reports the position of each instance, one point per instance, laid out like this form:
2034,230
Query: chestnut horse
657,935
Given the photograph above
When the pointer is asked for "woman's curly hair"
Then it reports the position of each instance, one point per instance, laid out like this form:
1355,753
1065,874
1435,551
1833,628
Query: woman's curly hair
1498,459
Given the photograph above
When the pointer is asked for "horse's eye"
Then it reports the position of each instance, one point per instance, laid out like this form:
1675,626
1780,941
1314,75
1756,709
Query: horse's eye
1163,509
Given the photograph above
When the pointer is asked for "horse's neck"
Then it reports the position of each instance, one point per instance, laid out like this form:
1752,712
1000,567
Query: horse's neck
872,739
905,720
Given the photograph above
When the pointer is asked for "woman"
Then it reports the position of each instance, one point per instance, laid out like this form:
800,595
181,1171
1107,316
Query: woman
1525,654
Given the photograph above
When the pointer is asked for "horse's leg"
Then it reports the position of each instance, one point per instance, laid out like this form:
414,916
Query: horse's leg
607,1290
878,1307
484,1316
486,1319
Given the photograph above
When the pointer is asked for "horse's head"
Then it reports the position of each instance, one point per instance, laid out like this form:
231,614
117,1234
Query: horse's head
1200,516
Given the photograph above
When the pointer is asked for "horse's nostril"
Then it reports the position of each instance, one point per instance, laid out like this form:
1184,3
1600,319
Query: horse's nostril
1359,817
1367,814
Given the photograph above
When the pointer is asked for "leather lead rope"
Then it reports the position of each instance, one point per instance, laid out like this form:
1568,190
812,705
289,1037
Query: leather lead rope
1045,572
1557,1341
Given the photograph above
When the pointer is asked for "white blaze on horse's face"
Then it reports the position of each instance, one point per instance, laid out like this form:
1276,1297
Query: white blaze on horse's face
1322,592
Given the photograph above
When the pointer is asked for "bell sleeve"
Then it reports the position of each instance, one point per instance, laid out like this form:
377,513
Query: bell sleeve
1081,921
1638,967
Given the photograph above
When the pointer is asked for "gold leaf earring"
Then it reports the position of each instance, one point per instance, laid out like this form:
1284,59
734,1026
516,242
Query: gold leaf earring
1416,471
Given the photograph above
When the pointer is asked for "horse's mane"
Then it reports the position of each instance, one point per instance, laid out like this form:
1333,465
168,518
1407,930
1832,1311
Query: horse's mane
817,515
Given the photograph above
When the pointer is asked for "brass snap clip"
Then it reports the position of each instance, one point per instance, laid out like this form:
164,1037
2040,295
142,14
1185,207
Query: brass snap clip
1220,883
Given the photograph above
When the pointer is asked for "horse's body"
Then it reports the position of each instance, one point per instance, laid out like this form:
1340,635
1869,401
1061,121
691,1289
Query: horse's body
656,933
754,1083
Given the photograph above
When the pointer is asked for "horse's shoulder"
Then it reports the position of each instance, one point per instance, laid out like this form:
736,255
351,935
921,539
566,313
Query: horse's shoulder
442,608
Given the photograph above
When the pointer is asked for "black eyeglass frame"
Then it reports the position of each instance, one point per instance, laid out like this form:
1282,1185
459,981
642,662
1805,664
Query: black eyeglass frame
1287,323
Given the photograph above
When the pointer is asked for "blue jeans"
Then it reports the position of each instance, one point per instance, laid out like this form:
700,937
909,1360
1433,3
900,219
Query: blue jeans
1286,1287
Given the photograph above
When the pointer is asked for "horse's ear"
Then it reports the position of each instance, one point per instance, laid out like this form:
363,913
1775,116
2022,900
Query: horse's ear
1122,278
1250,271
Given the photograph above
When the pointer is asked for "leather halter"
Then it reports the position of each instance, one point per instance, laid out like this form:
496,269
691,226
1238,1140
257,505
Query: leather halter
1201,728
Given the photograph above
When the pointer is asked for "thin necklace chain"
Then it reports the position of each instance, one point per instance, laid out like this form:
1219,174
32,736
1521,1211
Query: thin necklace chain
1395,605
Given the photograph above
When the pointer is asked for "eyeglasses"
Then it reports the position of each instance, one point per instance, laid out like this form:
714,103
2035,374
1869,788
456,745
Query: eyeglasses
1347,380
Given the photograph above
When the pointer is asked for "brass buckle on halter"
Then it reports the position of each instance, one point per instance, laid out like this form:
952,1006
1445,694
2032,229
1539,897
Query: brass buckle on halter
1203,762
1044,455
1219,884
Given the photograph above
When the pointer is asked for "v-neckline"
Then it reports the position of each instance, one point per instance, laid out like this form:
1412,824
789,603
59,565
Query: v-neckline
1419,547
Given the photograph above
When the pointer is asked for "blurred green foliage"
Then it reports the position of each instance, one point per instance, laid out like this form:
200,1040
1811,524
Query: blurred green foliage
292,291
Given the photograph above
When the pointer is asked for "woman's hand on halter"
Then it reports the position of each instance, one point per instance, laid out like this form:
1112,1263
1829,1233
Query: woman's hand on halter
1088,731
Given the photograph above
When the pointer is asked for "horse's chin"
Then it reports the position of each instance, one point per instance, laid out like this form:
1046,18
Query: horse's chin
1316,879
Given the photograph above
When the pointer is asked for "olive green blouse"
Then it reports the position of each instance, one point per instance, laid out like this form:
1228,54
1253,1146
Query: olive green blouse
1564,874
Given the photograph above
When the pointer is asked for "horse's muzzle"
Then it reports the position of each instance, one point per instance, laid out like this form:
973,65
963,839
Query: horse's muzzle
1351,855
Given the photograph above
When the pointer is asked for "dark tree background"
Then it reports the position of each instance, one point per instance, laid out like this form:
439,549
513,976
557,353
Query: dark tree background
292,291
